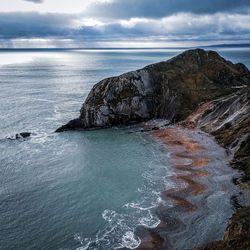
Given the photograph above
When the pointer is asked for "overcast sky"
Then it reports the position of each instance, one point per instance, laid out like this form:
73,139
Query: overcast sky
123,23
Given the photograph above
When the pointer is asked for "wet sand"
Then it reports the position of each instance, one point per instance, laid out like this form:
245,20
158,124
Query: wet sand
201,179
185,157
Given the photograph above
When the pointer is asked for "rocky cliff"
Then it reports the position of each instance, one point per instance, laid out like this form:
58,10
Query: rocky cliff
171,90
228,120
196,89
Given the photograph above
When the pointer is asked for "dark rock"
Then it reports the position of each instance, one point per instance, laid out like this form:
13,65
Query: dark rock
236,181
71,125
235,202
24,134
239,223
227,125
20,136
171,90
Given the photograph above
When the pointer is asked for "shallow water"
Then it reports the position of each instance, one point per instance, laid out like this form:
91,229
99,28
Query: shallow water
75,189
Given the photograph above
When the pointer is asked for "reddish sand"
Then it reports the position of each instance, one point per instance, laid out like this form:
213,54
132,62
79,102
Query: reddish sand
186,157
188,160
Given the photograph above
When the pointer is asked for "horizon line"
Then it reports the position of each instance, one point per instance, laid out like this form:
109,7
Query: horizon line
124,48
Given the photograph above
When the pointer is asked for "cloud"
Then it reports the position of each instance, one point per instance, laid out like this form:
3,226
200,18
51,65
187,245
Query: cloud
33,24
34,1
177,26
78,29
162,8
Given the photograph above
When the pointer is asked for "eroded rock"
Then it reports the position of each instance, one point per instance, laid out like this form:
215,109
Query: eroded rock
170,90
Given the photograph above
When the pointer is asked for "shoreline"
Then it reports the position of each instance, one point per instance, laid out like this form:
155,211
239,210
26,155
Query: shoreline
196,184
184,160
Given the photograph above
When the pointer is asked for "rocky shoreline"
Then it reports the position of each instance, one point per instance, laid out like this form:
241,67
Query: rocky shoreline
202,179
182,148
197,89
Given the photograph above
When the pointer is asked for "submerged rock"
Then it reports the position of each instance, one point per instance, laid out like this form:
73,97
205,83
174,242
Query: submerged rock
170,90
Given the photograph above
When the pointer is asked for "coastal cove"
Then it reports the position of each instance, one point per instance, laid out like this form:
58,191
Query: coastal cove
148,185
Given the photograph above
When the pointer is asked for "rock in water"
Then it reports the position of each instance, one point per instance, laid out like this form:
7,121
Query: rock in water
23,135
171,90
20,136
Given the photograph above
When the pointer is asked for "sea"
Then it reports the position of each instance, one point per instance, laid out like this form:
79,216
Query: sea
76,190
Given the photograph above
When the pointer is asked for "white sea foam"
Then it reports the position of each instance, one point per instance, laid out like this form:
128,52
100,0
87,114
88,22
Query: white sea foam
150,221
85,242
129,240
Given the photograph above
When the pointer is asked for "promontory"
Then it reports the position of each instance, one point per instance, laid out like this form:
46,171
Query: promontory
197,89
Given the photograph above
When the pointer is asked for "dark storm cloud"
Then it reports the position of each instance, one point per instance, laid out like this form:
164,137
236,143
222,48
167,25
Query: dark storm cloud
161,8
33,24
34,1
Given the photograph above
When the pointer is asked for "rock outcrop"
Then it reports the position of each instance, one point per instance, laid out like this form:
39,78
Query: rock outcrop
228,120
171,90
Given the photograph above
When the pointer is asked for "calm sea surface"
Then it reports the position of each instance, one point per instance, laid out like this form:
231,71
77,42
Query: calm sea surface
75,189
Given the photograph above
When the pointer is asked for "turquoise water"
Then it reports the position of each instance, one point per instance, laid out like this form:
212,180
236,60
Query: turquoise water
75,189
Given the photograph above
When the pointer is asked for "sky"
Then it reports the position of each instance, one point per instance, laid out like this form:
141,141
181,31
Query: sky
122,23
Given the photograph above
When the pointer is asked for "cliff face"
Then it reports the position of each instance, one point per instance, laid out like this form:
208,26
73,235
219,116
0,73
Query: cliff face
171,90
228,120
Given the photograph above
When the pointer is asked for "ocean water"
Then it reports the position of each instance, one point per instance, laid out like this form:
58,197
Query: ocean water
76,190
